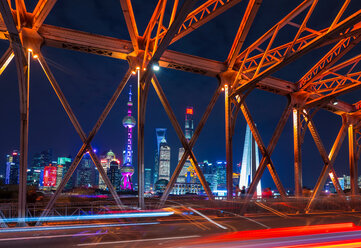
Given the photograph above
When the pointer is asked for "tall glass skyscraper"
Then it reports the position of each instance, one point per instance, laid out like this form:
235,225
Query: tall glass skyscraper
164,160
160,134
188,131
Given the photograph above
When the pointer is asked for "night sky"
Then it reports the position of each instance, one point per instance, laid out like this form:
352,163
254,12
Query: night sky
88,81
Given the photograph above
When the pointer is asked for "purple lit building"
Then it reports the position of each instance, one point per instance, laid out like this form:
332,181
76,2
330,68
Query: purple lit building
127,169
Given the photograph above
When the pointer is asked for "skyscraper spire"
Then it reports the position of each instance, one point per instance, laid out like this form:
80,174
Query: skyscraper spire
127,169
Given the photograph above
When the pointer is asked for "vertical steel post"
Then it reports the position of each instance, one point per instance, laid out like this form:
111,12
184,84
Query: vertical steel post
141,115
227,111
23,78
352,159
297,152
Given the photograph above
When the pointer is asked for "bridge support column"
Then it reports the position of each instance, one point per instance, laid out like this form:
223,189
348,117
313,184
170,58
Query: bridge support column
297,151
229,168
352,160
23,79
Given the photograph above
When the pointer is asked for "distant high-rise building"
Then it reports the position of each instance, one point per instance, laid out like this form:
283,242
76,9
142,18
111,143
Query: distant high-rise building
66,163
209,172
147,179
185,174
164,160
127,169
85,172
59,174
105,162
114,174
49,176
40,160
160,134
250,162
12,168
221,175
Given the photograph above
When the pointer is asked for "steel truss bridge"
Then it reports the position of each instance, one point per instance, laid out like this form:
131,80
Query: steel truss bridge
245,69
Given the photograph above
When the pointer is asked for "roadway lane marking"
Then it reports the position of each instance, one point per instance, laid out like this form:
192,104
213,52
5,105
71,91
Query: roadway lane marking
249,219
49,228
138,240
48,237
207,218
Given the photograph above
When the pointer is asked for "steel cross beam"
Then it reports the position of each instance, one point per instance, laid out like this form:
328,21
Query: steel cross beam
201,15
192,142
41,11
266,161
337,52
130,21
329,159
249,15
183,140
285,60
266,152
6,59
23,71
85,139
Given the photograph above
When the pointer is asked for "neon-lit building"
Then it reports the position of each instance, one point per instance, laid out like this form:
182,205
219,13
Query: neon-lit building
12,168
185,174
127,169
49,178
105,163
161,134
164,160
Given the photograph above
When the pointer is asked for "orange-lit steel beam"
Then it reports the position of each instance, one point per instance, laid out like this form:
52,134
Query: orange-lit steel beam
297,151
20,13
339,28
183,140
352,161
202,15
6,59
266,152
153,20
340,13
339,50
327,169
288,18
130,21
228,134
41,11
22,62
248,17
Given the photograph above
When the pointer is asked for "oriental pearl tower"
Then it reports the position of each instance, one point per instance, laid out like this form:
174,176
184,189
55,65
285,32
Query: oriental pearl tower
127,168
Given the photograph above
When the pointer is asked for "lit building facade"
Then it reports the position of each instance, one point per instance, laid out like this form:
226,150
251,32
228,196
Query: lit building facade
164,160
12,168
185,174
49,177
148,179
250,162
127,169
160,134
114,174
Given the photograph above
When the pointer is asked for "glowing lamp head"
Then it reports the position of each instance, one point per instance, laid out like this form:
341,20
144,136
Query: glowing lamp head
155,67
189,111
129,122
35,56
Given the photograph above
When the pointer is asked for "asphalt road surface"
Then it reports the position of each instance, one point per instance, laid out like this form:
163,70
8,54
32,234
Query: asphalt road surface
187,227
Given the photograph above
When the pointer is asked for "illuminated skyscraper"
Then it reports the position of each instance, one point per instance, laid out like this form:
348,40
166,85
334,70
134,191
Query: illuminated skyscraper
49,178
184,175
160,133
105,163
114,174
12,168
148,179
250,161
127,169
164,160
